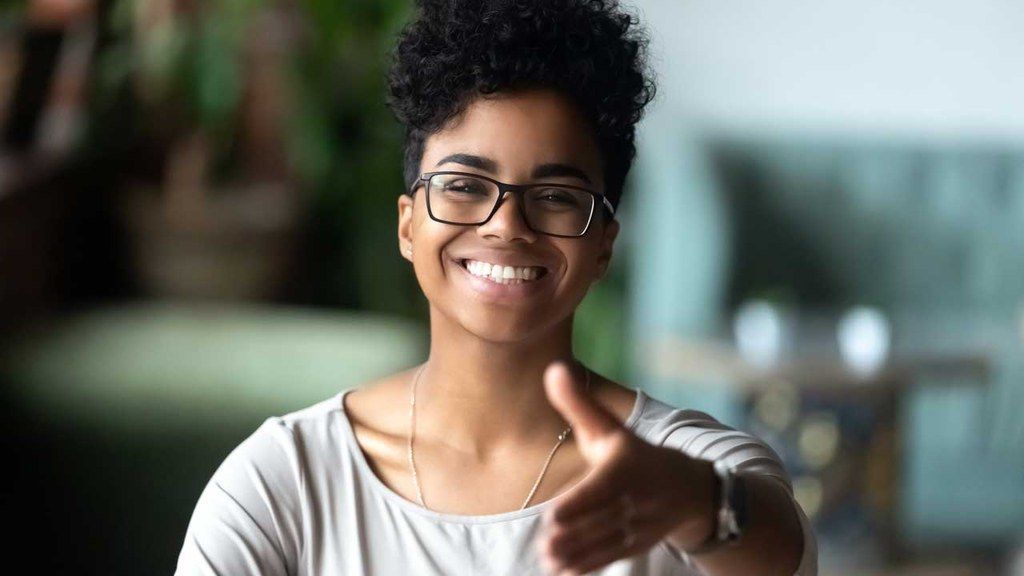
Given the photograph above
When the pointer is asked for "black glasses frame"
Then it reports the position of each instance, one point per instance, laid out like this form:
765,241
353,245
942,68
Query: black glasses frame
424,180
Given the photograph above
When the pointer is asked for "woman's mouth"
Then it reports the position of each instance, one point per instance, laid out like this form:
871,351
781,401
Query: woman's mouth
503,275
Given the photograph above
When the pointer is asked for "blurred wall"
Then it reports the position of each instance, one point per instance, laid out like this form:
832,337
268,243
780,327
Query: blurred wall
917,69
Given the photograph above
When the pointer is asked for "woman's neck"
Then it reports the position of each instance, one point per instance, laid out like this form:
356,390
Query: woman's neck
481,397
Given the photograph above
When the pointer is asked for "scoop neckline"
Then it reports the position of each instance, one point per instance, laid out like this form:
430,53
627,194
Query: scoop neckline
386,492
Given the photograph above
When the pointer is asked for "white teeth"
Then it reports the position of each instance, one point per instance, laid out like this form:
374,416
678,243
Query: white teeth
502,274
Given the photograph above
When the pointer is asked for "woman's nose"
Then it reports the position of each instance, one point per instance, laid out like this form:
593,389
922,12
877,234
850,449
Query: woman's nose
508,221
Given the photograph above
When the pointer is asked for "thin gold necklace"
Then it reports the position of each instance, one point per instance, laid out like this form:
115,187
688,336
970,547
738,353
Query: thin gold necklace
412,432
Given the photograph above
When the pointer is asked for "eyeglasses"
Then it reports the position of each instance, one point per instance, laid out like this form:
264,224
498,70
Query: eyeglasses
466,199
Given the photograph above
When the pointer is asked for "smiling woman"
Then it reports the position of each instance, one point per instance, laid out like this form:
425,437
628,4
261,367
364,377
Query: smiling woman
513,457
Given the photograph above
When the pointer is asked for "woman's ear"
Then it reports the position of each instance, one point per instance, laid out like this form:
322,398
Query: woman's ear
610,232
405,206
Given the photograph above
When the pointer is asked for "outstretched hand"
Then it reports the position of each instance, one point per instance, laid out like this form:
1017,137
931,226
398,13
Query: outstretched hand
654,487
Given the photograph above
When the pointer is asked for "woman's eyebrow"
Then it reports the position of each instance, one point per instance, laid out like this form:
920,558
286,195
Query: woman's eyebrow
558,169
551,169
471,160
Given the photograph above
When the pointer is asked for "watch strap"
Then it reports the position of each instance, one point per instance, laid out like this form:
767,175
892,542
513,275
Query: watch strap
730,499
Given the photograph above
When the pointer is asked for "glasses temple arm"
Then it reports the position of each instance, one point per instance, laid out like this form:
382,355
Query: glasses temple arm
608,205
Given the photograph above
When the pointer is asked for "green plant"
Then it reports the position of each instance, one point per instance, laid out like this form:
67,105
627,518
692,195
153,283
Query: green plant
351,152
184,69
185,72
11,11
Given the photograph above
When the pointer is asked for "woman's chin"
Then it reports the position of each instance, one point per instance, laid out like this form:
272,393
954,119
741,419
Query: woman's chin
501,328
504,326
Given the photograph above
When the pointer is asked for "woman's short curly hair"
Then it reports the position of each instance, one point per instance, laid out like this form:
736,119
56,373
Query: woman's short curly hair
589,50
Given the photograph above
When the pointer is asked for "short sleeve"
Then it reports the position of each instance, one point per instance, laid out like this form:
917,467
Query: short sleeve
700,436
247,519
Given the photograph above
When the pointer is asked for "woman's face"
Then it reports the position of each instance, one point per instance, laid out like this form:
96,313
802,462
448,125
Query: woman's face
507,137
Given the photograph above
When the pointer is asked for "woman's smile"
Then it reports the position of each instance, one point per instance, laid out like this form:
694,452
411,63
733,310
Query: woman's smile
502,274
502,284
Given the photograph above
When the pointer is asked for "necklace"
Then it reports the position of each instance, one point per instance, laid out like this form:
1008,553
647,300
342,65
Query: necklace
412,432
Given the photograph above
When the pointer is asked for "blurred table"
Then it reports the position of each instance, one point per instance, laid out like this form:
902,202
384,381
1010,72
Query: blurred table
838,432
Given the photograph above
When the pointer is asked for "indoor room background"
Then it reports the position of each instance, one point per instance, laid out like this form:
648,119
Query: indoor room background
822,244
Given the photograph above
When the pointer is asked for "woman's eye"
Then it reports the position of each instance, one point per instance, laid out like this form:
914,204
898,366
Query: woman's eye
557,197
470,187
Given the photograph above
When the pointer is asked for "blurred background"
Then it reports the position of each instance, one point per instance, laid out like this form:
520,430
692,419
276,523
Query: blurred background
823,244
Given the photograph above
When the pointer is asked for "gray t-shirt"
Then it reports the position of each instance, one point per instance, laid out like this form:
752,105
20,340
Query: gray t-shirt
298,497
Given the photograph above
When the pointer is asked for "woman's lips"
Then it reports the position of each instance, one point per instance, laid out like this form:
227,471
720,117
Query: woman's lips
492,291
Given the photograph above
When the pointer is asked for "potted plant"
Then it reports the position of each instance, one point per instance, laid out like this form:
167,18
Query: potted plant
218,216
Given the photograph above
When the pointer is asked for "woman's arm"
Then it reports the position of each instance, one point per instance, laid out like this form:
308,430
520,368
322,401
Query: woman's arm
773,541
778,538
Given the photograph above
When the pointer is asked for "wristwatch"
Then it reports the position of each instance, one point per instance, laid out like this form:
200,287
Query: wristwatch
731,509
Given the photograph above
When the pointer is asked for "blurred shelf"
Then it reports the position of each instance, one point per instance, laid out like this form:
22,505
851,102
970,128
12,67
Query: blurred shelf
694,362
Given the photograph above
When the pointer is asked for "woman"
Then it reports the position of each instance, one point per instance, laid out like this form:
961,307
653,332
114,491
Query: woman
501,454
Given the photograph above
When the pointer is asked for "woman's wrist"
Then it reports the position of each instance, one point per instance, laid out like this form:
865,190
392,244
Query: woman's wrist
699,526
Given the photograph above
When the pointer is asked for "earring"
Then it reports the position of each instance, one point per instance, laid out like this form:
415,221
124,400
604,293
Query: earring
408,250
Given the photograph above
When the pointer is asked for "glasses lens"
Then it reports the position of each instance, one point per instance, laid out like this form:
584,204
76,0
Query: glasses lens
556,210
461,199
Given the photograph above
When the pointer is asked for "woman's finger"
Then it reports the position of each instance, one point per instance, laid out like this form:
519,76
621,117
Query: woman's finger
612,547
597,488
565,538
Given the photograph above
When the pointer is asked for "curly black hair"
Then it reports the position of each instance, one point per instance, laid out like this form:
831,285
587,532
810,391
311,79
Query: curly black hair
589,50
